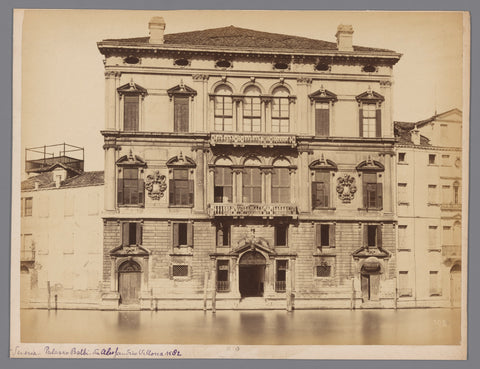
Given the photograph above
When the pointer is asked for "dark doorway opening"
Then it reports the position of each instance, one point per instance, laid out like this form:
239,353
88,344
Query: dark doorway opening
129,282
252,274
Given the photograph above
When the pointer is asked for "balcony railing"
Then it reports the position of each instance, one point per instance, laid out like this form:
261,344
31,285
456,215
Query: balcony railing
27,255
247,139
451,206
245,210
223,286
450,251
280,286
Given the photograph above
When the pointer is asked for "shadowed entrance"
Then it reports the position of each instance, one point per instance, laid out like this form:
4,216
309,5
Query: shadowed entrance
252,274
129,277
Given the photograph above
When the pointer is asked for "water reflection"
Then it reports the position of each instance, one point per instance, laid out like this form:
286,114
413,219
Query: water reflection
306,327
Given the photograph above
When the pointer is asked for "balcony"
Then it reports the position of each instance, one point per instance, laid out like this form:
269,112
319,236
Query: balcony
457,207
246,139
252,210
27,255
451,251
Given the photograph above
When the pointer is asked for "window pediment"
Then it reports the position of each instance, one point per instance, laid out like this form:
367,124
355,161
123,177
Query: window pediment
370,96
181,161
370,165
323,95
182,90
131,160
132,88
323,163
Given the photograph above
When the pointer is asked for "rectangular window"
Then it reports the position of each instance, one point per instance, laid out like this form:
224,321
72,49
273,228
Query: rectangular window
402,193
131,113
181,188
324,270
131,233
372,191
322,119
223,271
181,113
252,185
435,289
223,113
445,160
281,276
432,237
280,185
321,190
223,184
251,114
431,159
403,284
280,114
281,231
324,235
26,206
182,234
372,235
370,121
223,235
446,195
27,252
180,270
432,194
402,237
130,187
401,157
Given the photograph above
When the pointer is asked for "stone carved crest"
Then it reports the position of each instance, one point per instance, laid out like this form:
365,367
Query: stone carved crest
156,184
346,188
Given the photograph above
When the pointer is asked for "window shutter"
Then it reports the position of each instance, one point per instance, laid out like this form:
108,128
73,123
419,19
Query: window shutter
181,113
331,235
314,195
378,123
219,236
190,191
125,233
318,235
171,192
175,235
139,229
130,113
360,115
189,234
365,235
322,120
379,236
365,192
379,195
326,183
141,191
120,191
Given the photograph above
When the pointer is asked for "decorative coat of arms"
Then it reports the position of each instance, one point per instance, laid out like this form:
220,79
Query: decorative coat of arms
156,184
346,188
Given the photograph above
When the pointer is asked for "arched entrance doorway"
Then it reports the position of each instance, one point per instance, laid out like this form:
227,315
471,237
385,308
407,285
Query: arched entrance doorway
370,279
252,274
129,282
456,285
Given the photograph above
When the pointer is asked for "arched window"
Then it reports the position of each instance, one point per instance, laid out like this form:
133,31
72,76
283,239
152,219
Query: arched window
280,110
223,178
223,108
252,110
252,181
281,181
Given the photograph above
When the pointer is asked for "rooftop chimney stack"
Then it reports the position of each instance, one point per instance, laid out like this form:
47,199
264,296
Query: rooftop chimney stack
416,136
344,37
156,27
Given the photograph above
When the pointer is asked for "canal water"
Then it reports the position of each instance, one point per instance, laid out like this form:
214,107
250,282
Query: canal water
301,327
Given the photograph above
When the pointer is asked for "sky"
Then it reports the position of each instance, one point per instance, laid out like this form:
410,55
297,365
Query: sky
62,73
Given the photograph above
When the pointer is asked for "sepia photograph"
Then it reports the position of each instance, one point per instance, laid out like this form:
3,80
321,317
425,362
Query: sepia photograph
240,184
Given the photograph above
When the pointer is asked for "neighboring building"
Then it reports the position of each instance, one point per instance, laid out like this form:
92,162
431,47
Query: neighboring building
61,230
258,164
430,210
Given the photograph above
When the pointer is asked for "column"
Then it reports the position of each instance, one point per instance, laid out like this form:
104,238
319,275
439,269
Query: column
240,186
388,195
237,106
304,183
387,124
210,185
267,174
110,173
113,275
117,106
301,119
200,181
263,112
200,83
110,93
234,284
292,275
268,115
235,175
293,186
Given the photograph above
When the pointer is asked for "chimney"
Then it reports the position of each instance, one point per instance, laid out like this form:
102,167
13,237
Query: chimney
344,37
37,184
58,180
416,136
156,26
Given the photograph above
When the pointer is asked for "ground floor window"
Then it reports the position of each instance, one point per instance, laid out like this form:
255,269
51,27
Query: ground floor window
180,270
281,276
281,231
223,271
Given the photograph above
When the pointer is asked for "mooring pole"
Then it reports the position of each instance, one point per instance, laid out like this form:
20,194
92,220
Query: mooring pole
56,297
48,290
205,289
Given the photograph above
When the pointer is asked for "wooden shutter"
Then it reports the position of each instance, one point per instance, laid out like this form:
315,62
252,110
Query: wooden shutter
365,192
219,236
360,116
189,234
318,235
181,113
119,191
326,184
125,233
322,120
175,235
171,192
379,195
138,233
314,195
191,189
365,235
141,191
379,236
130,113
331,235
378,123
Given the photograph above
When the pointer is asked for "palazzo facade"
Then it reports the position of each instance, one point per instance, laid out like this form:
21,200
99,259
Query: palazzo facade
246,169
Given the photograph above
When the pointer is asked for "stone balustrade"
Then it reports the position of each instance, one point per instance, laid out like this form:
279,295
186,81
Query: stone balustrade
246,139
242,210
